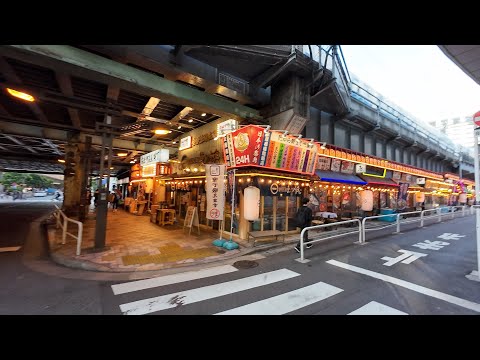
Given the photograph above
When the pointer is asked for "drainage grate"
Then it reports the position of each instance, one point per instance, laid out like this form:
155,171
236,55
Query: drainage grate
245,264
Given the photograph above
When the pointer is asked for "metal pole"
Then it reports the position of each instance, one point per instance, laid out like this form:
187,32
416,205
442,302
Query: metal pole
102,206
477,196
233,206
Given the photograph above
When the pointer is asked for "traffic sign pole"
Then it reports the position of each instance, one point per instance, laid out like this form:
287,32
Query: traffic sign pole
475,274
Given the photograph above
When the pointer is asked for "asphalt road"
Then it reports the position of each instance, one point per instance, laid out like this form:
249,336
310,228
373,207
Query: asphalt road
417,272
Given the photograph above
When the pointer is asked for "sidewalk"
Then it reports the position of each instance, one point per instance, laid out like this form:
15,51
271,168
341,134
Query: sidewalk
135,244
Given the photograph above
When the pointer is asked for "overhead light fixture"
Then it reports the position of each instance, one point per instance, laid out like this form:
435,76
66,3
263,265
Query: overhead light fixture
204,114
111,168
61,160
21,95
122,154
174,142
179,127
190,121
162,131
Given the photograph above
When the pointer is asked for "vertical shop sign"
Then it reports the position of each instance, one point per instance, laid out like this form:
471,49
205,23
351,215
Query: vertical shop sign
402,195
215,191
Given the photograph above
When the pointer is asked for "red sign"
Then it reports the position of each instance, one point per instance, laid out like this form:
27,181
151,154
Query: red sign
476,118
253,146
242,147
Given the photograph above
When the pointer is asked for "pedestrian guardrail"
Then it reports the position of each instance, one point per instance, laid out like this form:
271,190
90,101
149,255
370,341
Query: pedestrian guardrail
363,227
318,227
62,221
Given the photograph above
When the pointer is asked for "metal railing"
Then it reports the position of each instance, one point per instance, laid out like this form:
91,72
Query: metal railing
317,227
362,227
62,221
437,213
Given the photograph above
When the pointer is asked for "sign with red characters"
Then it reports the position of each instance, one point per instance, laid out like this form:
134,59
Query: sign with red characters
253,146
243,146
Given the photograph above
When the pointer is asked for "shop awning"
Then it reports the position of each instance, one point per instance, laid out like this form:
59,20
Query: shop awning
373,180
331,176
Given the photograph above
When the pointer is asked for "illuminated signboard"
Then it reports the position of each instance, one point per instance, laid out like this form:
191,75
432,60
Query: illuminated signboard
161,155
253,146
185,143
243,146
226,127
288,153
375,171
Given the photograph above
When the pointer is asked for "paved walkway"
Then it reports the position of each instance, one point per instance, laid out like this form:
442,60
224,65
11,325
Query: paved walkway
135,244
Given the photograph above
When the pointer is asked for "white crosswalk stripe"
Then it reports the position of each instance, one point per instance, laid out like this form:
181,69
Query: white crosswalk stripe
284,303
171,279
288,302
159,303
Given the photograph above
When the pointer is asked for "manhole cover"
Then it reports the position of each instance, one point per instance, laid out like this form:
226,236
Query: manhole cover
245,264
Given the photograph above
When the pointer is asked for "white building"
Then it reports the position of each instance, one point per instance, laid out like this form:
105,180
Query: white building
458,129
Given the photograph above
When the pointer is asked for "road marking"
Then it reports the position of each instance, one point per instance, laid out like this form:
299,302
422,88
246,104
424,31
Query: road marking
204,293
285,303
406,258
450,236
11,248
418,288
171,279
375,308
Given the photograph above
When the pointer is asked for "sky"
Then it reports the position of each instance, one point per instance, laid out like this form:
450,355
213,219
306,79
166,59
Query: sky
420,79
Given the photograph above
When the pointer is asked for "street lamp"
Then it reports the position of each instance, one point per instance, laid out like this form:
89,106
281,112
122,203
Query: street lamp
475,274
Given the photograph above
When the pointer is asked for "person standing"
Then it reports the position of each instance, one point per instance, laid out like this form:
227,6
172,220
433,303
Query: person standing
304,219
115,198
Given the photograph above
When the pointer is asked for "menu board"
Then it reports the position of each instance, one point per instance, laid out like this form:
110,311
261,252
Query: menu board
289,153
323,163
347,167
336,165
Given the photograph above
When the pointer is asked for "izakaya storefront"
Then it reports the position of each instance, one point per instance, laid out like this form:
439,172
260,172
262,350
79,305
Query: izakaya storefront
276,168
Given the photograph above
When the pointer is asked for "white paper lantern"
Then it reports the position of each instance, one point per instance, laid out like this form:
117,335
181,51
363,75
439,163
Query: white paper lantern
419,197
148,186
251,203
462,198
366,197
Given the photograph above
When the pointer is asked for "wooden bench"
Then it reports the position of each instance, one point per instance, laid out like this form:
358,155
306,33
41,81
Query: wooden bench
267,233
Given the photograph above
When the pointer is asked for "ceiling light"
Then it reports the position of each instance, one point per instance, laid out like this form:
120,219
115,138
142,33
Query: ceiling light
204,114
190,121
174,142
111,168
61,160
162,131
179,127
122,154
20,95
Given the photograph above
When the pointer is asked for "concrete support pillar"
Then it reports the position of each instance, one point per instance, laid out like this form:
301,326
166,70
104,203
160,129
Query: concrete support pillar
73,176
348,138
290,104
331,131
